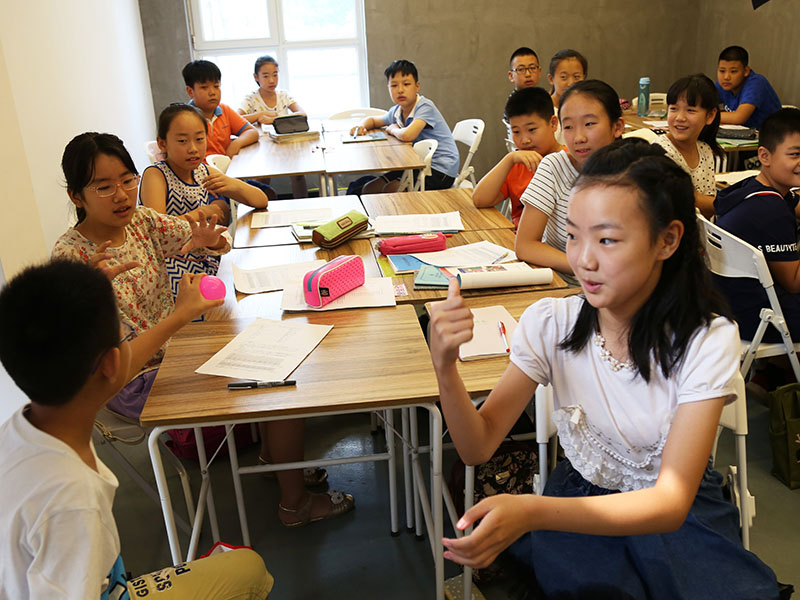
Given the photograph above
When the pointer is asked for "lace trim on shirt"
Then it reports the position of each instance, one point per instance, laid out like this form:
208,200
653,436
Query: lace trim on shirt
599,463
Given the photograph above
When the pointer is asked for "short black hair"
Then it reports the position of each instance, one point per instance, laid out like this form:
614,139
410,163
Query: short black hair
402,66
172,111
699,90
529,101
600,91
566,54
522,51
49,351
201,71
263,60
732,53
777,126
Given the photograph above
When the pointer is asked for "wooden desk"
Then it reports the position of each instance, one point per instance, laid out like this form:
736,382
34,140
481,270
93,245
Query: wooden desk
268,159
250,237
336,137
370,157
501,237
267,304
437,201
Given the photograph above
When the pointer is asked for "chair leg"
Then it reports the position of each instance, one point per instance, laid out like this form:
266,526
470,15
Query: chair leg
184,475
747,508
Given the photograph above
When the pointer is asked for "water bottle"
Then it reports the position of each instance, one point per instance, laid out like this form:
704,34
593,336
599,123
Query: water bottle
644,97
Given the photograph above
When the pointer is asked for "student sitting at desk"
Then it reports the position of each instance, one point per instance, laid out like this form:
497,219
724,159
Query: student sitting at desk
61,540
411,119
268,102
533,122
524,70
202,79
746,97
761,211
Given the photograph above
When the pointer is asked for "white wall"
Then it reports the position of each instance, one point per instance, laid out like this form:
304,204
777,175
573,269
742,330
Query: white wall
70,67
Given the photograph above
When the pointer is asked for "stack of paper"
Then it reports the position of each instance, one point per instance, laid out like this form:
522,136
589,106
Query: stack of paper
487,340
269,279
431,278
404,224
303,231
300,136
376,291
470,255
283,218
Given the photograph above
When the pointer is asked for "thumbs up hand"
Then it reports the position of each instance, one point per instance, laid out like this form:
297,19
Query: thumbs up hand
451,325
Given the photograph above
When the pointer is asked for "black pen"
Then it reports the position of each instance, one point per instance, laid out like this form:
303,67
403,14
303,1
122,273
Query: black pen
252,384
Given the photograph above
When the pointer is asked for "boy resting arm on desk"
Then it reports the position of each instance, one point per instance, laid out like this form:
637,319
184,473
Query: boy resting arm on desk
746,97
202,79
61,539
413,118
530,113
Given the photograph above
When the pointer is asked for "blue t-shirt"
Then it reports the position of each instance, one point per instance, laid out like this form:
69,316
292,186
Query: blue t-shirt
757,91
760,216
445,159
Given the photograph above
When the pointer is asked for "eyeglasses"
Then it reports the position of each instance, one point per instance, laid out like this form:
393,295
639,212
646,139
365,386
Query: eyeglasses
531,69
104,190
127,332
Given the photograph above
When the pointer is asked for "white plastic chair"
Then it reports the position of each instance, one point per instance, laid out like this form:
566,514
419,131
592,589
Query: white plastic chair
220,162
646,134
469,132
424,150
657,99
358,113
154,153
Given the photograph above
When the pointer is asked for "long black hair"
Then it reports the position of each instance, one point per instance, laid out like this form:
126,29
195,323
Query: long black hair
684,298
699,90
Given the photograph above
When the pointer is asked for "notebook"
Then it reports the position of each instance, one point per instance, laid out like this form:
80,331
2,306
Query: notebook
375,136
403,264
487,341
431,278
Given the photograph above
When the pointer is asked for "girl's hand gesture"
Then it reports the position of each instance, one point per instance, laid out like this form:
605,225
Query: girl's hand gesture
99,259
219,183
451,326
502,524
190,303
529,158
205,233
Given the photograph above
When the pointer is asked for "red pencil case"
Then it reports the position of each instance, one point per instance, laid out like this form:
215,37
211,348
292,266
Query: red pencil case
332,280
406,244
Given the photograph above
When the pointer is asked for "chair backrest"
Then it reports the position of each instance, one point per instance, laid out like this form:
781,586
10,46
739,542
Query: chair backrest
729,256
656,99
424,150
358,113
646,134
153,152
219,161
469,132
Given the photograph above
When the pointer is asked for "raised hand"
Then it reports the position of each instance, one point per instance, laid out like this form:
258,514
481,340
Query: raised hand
451,326
190,303
100,260
205,233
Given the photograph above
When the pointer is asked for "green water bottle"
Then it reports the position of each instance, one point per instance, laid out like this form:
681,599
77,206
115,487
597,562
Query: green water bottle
644,97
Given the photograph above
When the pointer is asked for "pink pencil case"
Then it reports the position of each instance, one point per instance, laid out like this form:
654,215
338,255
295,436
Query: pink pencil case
332,280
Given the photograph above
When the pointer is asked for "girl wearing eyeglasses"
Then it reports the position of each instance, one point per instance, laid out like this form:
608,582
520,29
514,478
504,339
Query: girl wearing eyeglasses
131,244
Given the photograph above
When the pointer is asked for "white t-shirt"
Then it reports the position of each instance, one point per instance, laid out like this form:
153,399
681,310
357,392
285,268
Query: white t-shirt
612,424
59,537
703,174
253,102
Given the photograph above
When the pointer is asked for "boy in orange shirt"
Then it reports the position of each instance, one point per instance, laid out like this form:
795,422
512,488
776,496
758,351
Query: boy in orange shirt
531,116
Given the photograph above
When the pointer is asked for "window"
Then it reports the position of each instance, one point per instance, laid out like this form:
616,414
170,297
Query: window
320,47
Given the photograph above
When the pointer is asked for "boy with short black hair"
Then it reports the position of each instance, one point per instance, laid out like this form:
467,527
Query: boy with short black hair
61,342
746,97
202,79
531,117
761,211
412,118
524,70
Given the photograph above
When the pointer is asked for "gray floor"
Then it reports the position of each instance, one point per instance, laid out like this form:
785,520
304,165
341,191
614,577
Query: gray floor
355,556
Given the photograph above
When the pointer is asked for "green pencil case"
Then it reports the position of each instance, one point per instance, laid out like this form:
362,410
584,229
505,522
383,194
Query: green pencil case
341,229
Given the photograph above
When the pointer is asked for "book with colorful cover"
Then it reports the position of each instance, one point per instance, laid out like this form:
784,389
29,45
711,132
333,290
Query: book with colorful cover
431,278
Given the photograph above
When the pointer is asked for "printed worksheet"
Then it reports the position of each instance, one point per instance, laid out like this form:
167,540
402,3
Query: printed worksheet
270,279
376,291
402,224
471,255
282,218
266,351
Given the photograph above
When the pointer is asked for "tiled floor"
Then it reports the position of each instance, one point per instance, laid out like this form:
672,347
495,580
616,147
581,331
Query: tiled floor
355,556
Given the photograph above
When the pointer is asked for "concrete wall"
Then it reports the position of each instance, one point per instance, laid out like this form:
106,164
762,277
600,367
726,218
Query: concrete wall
67,67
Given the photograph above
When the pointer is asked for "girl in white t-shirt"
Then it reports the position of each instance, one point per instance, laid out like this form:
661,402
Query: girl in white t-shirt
641,366
691,141
268,102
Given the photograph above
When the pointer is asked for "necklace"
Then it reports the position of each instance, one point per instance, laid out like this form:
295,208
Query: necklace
605,355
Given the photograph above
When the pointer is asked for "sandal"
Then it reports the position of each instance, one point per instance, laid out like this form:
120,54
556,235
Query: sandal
312,476
341,503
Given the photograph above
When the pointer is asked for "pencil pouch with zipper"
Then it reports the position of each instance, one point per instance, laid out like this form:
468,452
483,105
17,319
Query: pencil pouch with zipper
406,244
341,229
332,280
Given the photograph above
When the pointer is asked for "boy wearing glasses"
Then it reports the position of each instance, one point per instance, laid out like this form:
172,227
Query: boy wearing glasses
413,118
61,539
524,70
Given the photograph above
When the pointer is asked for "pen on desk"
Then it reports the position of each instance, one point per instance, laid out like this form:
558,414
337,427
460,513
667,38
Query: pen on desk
252,384
499,258
501,326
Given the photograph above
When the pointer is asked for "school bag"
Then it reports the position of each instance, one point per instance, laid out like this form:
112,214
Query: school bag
784,434
182,441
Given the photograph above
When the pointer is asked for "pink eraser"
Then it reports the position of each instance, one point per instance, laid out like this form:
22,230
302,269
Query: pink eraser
212,288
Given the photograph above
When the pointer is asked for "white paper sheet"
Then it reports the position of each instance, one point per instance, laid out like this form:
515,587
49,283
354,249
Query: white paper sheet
507,275
471,255
376,291
266,351
486,339
269,279
282,218
734,176
656,124
387,224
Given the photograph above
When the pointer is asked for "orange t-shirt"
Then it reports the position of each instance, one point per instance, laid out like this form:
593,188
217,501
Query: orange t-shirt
516,181
226,122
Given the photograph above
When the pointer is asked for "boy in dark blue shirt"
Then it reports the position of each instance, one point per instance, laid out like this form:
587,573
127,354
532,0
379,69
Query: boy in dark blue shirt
746,97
